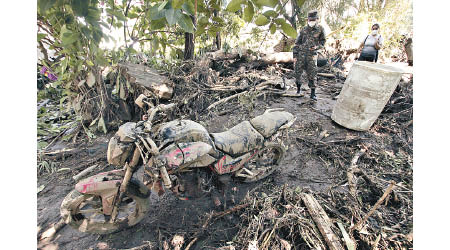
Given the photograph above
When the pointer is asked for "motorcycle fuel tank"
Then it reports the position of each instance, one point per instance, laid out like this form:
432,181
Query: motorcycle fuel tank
183,131
185,153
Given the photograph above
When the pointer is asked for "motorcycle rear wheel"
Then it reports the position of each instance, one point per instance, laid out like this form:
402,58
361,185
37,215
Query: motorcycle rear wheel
83,212
265,162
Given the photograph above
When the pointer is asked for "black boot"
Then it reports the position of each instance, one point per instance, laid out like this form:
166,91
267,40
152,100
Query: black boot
313,94
298,87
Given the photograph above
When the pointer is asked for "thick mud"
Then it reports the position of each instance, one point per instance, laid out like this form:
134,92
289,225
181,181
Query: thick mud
301,167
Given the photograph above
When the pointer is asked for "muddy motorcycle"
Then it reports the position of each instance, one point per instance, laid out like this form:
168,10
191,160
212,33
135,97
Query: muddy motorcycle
110,201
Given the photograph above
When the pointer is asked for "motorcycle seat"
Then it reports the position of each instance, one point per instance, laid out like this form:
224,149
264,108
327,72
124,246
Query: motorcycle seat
269,122
238,140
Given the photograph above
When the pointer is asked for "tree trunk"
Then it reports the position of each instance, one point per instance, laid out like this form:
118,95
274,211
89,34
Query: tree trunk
189,43
293,19
217,39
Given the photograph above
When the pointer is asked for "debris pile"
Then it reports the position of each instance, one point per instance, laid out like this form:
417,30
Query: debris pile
289,218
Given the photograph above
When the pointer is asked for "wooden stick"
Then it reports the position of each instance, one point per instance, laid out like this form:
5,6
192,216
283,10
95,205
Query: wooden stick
322,221
59,135
386,193
64,150
348,241
49,233
350,172
326,75
225,100
231,97
147,245
84,172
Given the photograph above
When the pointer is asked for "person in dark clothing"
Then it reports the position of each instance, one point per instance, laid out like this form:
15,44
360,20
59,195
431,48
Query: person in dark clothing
310,40
368,50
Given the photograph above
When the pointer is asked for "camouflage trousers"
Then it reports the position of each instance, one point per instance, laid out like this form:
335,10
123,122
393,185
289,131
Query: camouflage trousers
308,63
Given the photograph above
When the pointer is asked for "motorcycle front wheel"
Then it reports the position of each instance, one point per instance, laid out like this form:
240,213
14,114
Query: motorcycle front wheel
83,212
265,162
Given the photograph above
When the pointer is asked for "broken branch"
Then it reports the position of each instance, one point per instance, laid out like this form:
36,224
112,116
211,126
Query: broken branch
322,221
386,193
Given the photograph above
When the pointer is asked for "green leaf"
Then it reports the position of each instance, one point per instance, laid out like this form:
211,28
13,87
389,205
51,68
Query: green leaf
287,28
279,21
200,30
185,23
132,15
172,16
40,36
261,20
80,7
249,11
101,60
218,20
234,5
269,3
86,32
162,5
44,5
158,24
188,7
68,38
42,144
156,14
272,28
212,31
176,4
270,13
203,20
300,3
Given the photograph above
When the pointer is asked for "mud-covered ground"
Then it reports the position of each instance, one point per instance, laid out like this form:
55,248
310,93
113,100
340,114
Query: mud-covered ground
319,150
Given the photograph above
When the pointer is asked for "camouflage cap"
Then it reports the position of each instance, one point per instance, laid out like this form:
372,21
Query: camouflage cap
312,15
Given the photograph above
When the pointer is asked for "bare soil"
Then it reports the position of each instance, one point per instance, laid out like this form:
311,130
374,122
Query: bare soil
310,164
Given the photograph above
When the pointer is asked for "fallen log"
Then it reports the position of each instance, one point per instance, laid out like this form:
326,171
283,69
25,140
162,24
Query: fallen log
147,78
280,57
322,221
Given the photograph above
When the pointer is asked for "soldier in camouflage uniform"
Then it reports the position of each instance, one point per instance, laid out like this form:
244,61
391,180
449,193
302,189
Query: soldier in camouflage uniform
309,41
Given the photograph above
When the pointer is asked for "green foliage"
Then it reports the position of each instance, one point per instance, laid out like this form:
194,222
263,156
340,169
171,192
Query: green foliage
249,11
234,5
185,23
268,3
287,28
46,167
261,20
